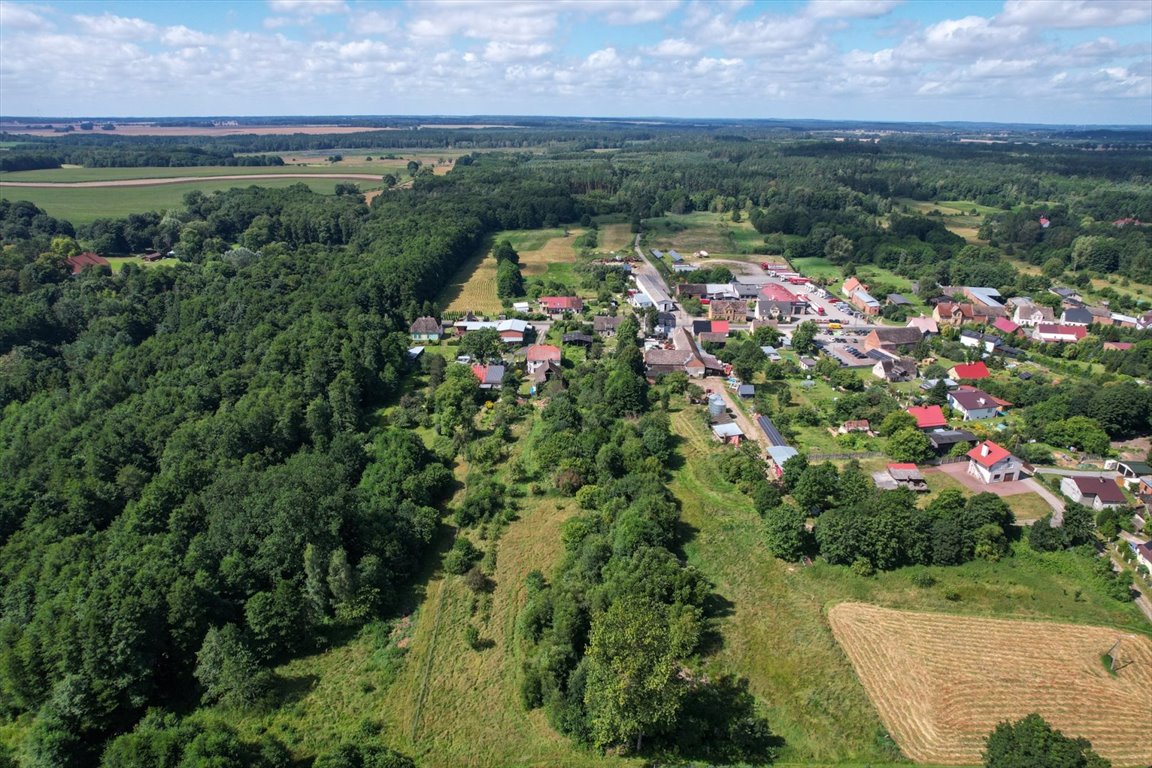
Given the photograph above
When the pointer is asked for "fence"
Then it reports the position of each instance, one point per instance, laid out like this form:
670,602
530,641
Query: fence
845,456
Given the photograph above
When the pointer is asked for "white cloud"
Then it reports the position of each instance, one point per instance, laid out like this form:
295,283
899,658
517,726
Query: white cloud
1076,13
181,36
501,52
374,23
850,9
15,16
634,12
606,58
308,7
116,27
675,47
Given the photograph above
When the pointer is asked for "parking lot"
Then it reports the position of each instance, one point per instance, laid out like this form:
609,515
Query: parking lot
849,353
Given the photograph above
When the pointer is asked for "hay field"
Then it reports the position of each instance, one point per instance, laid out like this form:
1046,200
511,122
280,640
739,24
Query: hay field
942,682
615,237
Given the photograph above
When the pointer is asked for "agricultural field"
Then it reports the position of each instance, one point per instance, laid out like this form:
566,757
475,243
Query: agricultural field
928,675
85,204
776,633
614,237
546,253
702,231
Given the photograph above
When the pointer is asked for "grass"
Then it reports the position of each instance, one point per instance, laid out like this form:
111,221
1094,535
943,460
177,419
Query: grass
80,173
614,237
703,231
1028,506
81,206
817,267
117,262
775,627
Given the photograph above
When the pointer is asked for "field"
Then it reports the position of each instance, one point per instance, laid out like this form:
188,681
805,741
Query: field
543,253
85,204
776,633
702,231
614,237
928,675
961,217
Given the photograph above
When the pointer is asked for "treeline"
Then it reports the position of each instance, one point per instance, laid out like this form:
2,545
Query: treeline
57,154
610,638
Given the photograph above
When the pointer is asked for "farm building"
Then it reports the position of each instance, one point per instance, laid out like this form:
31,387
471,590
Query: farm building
746,391
779,454
987,297
900,369
901,476
425,329
653,288
892,339
490,376
512,331
82,261
1052,332
729,434
1092,491
1004,325
746,290
993,464
560,305
896,300
924,324
928,416
975,370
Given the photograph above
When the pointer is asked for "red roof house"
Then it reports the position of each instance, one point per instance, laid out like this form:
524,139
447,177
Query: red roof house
1057,332
720,326
1005,325
81,261
992,463
970,371
928,416
559,304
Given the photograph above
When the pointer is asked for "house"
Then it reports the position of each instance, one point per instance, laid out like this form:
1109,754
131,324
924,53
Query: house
661,361
993,464
1031,315
925,325
1100,315
701,326
900,369
780,311
730,310
490,376
1004,325
640,300
930,384
902,476
746,290
1117,346
714,337
988,297
538,355
974,404
550,371
1092,491
855,425
851,285
512,331
425,329
577,339
1050,332
806,363
745,391
665,323
943,440
1078,316
892,339
1123,321
1143,554
1144,322
864,302
981,341
693,290
1131,471
977,370
896,300
82,261
949,313
560,305
1067,294
715,291
605,325
928,416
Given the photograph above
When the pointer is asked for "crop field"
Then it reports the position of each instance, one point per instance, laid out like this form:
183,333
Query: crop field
929,676
614,237
543,253
85,204
702,231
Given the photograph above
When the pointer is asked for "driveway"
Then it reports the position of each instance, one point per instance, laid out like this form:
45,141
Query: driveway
720,386
959,473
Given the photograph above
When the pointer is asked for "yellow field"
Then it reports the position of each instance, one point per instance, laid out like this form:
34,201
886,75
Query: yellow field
942,682
475,286
615,237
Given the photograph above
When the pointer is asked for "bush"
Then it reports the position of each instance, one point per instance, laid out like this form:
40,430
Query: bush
461,557
923,579
862,566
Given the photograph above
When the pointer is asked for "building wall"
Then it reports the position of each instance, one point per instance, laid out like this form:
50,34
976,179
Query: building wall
1070,489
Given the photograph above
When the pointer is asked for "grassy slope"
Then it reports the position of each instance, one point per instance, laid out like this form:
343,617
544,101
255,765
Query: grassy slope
776,632
81,206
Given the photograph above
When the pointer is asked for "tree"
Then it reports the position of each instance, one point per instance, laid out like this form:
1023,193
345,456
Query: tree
786,533
910,445
1042,537
1079,431
634,653
793,470
1032,743
482,344
804,338
938,394
816,486
896,421
229,671
356,756
509,281
413,167
1079,525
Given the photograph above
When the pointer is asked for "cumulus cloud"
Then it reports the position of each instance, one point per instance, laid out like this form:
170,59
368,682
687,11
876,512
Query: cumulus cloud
500,51
676,47
850,9
308,7
22,17
116,27
1076,13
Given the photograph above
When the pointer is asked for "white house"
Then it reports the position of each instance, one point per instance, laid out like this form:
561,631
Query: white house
993,464
1143,554
1031,315
1091,491
974,404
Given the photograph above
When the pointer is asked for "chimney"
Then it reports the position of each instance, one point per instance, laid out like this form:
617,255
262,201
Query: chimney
982,401
984,449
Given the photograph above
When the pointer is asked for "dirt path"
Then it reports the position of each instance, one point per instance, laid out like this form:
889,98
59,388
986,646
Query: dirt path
720,387
185,180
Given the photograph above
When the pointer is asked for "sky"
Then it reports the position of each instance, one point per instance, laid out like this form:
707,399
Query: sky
1045,61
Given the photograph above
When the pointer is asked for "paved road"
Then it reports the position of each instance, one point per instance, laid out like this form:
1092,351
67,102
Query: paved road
1053,500
1075,472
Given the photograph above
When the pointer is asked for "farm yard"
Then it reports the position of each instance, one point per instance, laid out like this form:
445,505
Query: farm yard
941,682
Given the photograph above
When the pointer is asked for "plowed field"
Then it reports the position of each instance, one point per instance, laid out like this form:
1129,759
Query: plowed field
942,682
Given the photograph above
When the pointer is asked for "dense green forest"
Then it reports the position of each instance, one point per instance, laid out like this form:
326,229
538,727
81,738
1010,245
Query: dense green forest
196,486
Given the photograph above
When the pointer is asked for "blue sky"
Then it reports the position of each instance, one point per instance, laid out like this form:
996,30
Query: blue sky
1047,61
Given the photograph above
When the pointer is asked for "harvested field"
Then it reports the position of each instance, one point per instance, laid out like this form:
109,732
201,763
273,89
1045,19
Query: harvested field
543,253
942,682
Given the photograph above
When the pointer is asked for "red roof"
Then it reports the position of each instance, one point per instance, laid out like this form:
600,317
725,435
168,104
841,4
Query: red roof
902,466
1005,325
774,292
987,453
86,259
480,371
1119,346
928,416
971,371
1054,329
720,326
574,303
1104,488
543,353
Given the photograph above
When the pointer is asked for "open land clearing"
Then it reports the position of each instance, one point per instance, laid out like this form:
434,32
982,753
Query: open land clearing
545,253
942,682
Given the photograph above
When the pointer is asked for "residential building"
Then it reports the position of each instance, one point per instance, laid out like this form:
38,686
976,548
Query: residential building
973,404
82,261
924,324
780,311
1143,554
665,323
943,440
1049,332
605,325
775,292
490,376
993,464
900,369
1076,316
1093,491
425,329
731,310
512,331
988,297
892,339
560,305
977,370
1031,315
1131,471
746,290
982,341
1004,325
577,339
1117,346
928,417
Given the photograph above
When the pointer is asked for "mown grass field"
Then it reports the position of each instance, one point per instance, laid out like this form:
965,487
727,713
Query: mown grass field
703,231
81,206
942,683
543,253
775,627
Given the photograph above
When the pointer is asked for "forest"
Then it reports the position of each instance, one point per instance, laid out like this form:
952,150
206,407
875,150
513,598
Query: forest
197,487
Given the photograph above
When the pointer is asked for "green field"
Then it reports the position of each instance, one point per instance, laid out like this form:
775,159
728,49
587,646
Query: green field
703,231
775,627
83,205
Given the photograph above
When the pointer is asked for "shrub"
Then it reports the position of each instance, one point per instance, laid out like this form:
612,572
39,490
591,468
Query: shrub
461,557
